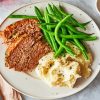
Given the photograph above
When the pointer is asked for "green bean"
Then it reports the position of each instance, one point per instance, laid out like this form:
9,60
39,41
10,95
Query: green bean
61,49
84,24
83,37
47,23
52,39
54,11
50,10
72,41
81,47
77,23
90,38
57,13
57,38
70,27
40,16
53,25
78,37
85,54
50,32
57,19
73,20
47,20
21,16
54,17
47,37
62,11
73,29
82,42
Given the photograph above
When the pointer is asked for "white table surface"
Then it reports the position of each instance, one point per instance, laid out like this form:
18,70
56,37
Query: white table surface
92,92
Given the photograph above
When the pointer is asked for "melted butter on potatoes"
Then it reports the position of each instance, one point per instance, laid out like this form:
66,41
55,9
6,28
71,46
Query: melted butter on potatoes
64,71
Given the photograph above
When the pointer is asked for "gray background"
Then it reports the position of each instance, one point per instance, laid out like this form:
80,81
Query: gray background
92,92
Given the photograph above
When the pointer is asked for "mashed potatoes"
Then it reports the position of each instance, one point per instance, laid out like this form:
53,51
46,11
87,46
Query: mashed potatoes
64,71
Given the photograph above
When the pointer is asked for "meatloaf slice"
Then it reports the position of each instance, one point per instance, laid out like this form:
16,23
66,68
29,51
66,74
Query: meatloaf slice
19,28
24,56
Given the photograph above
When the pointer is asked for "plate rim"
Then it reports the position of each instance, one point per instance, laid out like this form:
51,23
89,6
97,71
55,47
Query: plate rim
67,95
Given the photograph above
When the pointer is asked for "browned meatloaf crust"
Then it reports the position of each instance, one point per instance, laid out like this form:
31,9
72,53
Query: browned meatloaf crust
19,28
24,53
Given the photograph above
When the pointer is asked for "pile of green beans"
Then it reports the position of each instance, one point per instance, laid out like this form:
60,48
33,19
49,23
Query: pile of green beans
58,27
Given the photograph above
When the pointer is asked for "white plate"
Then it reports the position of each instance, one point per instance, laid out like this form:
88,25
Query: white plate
37,88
